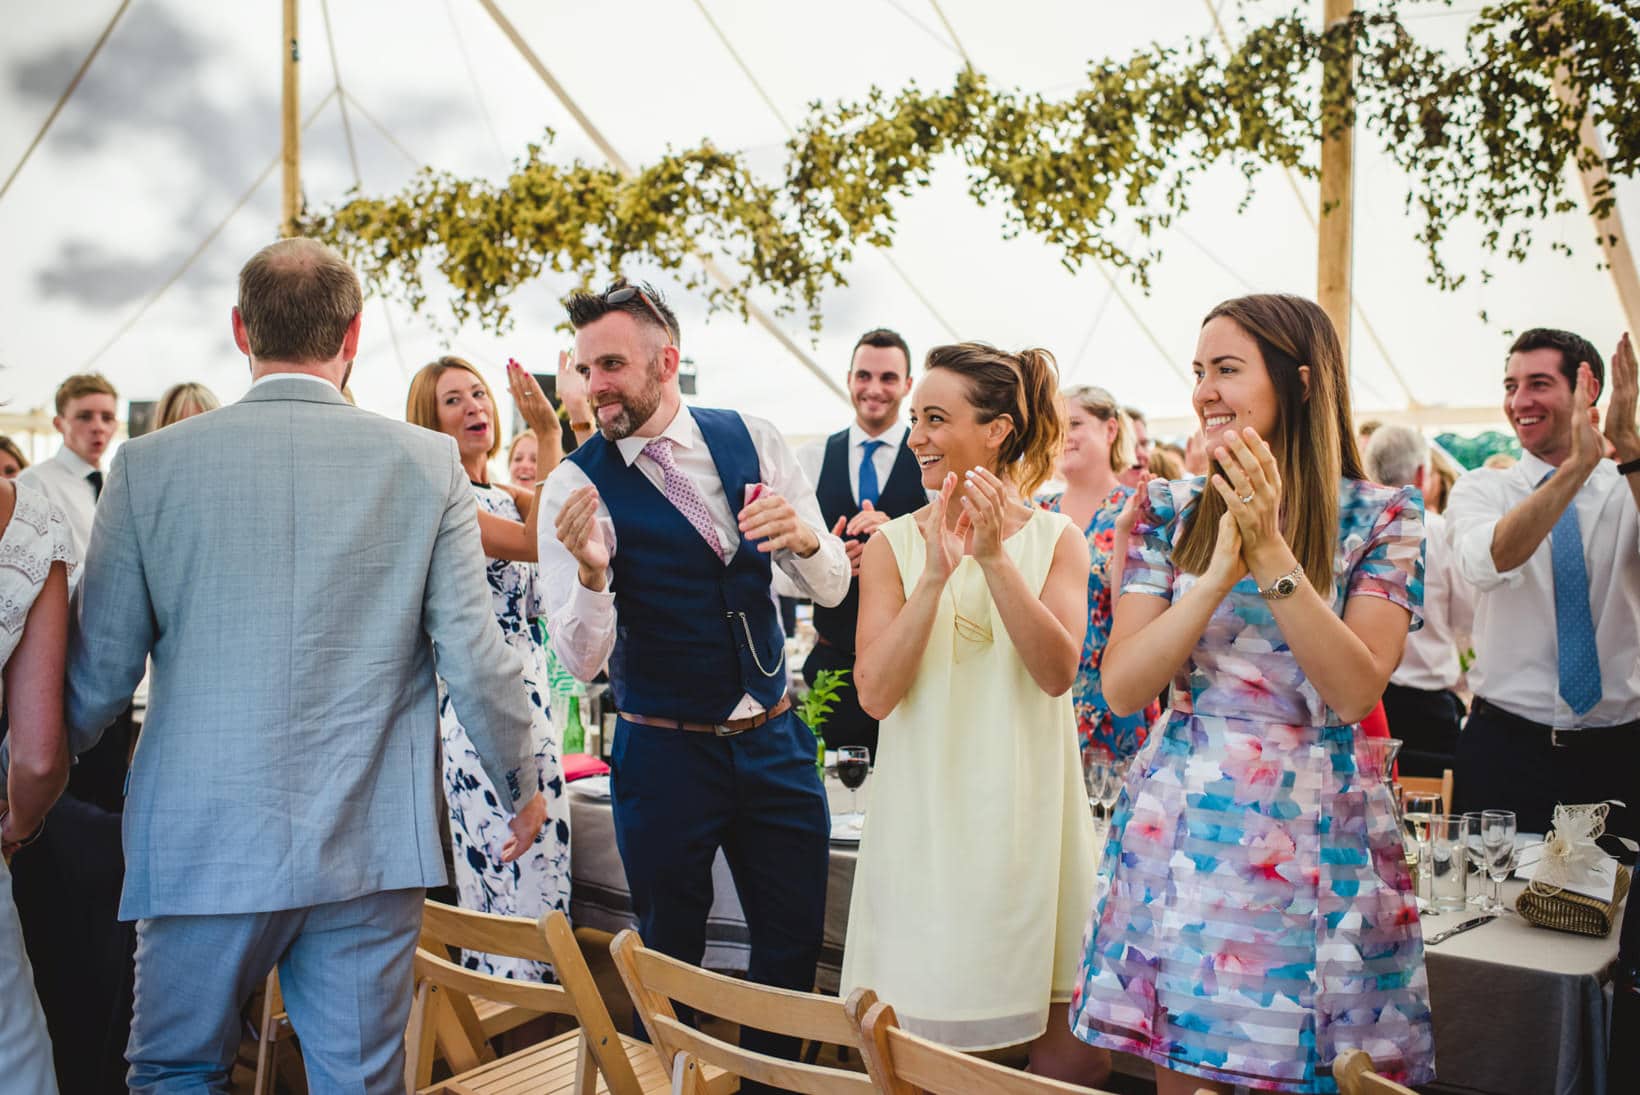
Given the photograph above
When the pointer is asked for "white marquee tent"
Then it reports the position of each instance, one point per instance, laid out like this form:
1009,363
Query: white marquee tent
124,229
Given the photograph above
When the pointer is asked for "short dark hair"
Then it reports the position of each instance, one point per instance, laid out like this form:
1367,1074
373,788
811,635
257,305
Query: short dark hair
297,298
1574,349
883,338
585,308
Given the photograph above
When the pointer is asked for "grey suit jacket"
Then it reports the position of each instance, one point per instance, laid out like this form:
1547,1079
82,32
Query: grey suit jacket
294,566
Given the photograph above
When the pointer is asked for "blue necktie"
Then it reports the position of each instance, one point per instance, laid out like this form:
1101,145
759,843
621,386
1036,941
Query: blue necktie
869,490
1574,625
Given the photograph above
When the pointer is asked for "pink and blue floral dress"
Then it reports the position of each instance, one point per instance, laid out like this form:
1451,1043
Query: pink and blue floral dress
1100,734
1253,916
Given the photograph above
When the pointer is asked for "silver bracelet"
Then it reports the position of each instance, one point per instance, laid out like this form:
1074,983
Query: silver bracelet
1284,586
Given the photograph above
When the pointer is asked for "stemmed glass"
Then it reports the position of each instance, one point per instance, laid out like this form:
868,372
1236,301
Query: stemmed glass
1475,859
1498,838
1417,807
1104,783
853,766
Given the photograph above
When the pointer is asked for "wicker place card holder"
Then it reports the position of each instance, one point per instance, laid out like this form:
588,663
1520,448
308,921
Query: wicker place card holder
1572,912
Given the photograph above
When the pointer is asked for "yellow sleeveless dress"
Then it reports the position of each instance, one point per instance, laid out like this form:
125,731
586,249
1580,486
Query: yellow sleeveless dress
978,857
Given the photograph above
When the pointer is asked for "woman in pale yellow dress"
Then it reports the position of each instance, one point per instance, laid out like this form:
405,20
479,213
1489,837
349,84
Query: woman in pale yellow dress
977,859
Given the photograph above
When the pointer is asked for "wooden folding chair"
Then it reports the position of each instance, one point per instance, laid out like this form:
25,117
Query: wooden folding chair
654,981
901,1063
1354,1072
272,1028
445,1020
1431,785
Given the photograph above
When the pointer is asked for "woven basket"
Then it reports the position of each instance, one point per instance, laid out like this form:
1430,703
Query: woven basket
1572,912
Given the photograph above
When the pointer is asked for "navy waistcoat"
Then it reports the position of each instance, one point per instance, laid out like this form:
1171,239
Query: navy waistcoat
902,494
692,635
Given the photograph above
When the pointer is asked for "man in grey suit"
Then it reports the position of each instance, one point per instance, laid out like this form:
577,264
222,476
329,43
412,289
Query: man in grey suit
294,566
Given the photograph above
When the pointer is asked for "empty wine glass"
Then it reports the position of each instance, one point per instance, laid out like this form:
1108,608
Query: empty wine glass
853,766
1498,838
1475,861
1115,775
1417,807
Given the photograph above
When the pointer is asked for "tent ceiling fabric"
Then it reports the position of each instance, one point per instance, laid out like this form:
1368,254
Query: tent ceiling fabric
180,113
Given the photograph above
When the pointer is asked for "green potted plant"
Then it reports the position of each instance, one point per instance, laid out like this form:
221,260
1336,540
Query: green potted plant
816,705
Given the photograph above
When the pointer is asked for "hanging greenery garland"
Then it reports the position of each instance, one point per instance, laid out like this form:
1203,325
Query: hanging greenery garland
1482,138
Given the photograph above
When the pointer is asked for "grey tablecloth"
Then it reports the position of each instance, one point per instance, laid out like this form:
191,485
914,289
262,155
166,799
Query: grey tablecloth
1518,1010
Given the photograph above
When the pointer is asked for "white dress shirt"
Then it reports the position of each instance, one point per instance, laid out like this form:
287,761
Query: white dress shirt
309,377
813,455
582,622
1430,660
62,478
1516,654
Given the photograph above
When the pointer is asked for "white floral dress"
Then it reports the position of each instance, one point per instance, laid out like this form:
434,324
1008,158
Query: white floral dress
537,881
36,537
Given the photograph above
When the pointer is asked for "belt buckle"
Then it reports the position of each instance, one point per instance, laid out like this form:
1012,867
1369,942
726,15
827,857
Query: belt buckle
724,730
1554,736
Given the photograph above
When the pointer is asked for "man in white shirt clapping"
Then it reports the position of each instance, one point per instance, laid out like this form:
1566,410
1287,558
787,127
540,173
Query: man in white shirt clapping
1552,547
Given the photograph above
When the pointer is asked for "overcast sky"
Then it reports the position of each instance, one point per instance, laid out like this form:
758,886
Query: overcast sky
179,116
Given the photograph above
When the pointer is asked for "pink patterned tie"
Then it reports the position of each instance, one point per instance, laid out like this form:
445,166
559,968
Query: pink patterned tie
681,492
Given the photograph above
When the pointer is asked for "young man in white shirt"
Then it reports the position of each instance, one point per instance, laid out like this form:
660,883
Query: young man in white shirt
1421,701
1552,548
87,417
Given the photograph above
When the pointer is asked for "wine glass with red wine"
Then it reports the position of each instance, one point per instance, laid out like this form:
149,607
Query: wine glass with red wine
853,766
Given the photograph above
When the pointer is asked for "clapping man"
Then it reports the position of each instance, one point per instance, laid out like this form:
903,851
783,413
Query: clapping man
864,477
665,529
1552,548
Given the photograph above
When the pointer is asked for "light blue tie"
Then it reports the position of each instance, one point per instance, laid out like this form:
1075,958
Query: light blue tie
869,490
1574,624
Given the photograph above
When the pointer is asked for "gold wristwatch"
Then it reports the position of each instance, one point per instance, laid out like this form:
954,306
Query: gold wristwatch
1284,586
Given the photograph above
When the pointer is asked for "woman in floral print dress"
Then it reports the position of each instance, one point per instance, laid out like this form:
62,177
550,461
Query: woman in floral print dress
450,396
1098,444
1253,916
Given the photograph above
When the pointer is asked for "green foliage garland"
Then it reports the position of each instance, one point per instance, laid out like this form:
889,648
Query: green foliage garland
1482,138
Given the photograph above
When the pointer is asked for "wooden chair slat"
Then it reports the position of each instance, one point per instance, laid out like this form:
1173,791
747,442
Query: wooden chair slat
781,1011
512,936
529,995
791,1075
1356,1075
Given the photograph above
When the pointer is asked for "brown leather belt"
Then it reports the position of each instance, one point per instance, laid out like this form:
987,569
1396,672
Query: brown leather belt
725,729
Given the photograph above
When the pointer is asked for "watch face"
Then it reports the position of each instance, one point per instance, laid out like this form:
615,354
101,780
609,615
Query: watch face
1285,585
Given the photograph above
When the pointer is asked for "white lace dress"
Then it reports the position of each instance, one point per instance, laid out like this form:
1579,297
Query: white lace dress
36,537
538,881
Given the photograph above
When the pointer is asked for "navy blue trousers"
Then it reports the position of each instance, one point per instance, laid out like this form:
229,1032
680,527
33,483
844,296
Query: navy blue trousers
680,796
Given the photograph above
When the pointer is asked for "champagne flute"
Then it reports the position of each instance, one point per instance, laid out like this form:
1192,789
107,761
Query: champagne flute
1417,807
1498,837
853,766
1115,776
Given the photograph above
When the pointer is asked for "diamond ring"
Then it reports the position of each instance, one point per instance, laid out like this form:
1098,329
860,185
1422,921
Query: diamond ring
1245,499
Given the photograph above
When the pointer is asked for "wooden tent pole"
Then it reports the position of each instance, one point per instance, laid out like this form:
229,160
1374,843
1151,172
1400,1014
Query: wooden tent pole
1608,226
1333,236
291,201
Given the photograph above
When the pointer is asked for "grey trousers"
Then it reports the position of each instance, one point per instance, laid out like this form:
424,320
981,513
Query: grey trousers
25,1050
344,969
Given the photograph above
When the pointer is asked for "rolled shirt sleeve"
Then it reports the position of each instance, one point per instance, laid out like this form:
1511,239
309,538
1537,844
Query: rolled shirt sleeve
580,621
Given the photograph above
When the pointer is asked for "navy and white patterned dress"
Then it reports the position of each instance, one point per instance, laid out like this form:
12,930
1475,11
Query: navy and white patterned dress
537,881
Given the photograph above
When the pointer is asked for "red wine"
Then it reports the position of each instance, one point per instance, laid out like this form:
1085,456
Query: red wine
853,773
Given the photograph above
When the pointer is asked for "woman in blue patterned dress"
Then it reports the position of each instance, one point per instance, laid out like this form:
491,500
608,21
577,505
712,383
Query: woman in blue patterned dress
450,396
1253,917
1098,445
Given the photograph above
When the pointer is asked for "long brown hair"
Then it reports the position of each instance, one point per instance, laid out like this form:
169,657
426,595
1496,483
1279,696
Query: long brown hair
1313,444
1021,386
421,406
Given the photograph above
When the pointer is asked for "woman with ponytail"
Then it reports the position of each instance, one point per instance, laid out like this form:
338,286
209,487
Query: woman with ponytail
976,864
1253,917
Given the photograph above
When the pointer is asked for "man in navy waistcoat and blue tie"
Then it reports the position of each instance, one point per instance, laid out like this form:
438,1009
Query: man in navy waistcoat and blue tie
865,476
665,530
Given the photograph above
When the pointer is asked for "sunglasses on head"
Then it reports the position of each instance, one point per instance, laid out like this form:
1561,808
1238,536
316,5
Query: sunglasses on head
627,292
